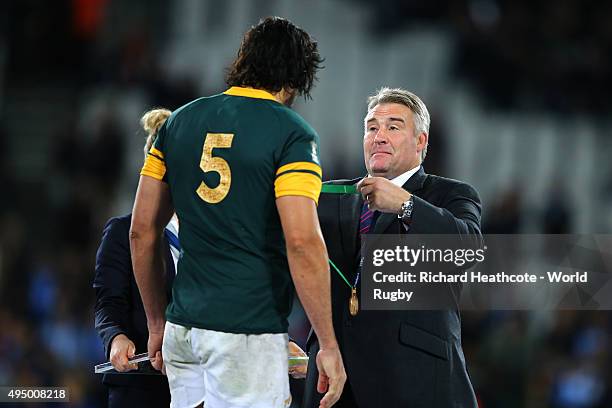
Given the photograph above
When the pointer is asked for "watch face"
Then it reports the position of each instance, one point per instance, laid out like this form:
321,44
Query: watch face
407,208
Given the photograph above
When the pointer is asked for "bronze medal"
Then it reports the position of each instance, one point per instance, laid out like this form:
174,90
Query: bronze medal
353,302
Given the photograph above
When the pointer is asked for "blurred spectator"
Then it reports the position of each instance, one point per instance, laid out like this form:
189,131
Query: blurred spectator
578,387
505,215
506,354
557,217
107,142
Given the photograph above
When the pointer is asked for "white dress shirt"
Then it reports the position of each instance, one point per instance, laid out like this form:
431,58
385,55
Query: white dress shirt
403,178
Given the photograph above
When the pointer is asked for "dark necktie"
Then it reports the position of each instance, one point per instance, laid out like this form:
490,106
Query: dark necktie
367,217
366,223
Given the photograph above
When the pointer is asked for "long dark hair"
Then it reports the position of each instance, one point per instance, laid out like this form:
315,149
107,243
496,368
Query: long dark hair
276,54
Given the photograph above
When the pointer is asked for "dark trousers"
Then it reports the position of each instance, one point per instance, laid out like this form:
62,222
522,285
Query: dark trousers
312,397
124,397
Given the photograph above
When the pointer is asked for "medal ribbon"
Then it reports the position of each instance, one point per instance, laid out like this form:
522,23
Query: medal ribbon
345,189
342,275
339,189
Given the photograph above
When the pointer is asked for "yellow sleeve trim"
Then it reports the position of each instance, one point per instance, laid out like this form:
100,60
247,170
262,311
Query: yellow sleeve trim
298,184
301,166
156,152
153,167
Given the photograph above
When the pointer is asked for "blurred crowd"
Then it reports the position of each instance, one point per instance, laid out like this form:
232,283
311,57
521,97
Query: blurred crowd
520,54
50,225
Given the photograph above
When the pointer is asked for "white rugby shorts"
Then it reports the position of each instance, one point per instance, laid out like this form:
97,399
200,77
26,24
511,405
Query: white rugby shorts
226,370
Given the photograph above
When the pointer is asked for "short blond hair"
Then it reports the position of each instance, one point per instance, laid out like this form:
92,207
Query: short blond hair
151,121
420,114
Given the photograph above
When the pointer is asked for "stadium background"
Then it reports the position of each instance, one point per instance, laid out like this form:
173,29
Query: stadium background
518,94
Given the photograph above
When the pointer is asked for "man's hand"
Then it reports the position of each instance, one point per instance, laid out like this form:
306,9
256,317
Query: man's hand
297,371
122,348
331,376
154,347
382,195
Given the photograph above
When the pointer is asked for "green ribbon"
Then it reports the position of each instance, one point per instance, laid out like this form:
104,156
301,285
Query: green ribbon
340,273
339,189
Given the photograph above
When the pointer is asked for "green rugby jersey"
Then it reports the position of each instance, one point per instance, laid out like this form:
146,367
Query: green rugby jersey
226,159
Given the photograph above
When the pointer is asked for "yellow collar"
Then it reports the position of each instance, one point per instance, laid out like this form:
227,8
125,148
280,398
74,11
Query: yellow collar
250,93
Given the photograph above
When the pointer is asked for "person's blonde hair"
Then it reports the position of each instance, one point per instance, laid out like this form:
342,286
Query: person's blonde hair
151,121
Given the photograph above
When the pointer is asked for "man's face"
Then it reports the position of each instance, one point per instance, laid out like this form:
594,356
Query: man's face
390,147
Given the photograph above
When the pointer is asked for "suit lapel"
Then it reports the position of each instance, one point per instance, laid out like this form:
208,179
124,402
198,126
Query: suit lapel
349,208
414,184
349,211
383,222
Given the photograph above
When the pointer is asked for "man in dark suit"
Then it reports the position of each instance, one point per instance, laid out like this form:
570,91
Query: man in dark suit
120,317
395,358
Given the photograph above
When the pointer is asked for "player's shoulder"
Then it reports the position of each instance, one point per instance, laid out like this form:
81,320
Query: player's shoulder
193,107
291,119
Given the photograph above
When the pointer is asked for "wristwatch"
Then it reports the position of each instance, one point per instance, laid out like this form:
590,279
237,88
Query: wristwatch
405,213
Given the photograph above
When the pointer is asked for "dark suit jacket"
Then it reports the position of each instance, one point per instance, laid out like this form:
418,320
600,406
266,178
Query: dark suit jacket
398,358
118,306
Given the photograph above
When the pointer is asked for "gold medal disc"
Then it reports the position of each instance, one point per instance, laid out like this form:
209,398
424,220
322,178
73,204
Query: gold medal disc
353,302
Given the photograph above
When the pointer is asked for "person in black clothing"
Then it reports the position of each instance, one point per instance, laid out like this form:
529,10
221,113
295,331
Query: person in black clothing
119,314
395,358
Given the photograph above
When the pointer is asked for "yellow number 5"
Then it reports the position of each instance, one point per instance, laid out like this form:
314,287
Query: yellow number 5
217,164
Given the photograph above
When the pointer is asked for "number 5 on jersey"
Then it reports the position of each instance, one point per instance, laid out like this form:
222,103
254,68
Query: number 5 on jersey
216,164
